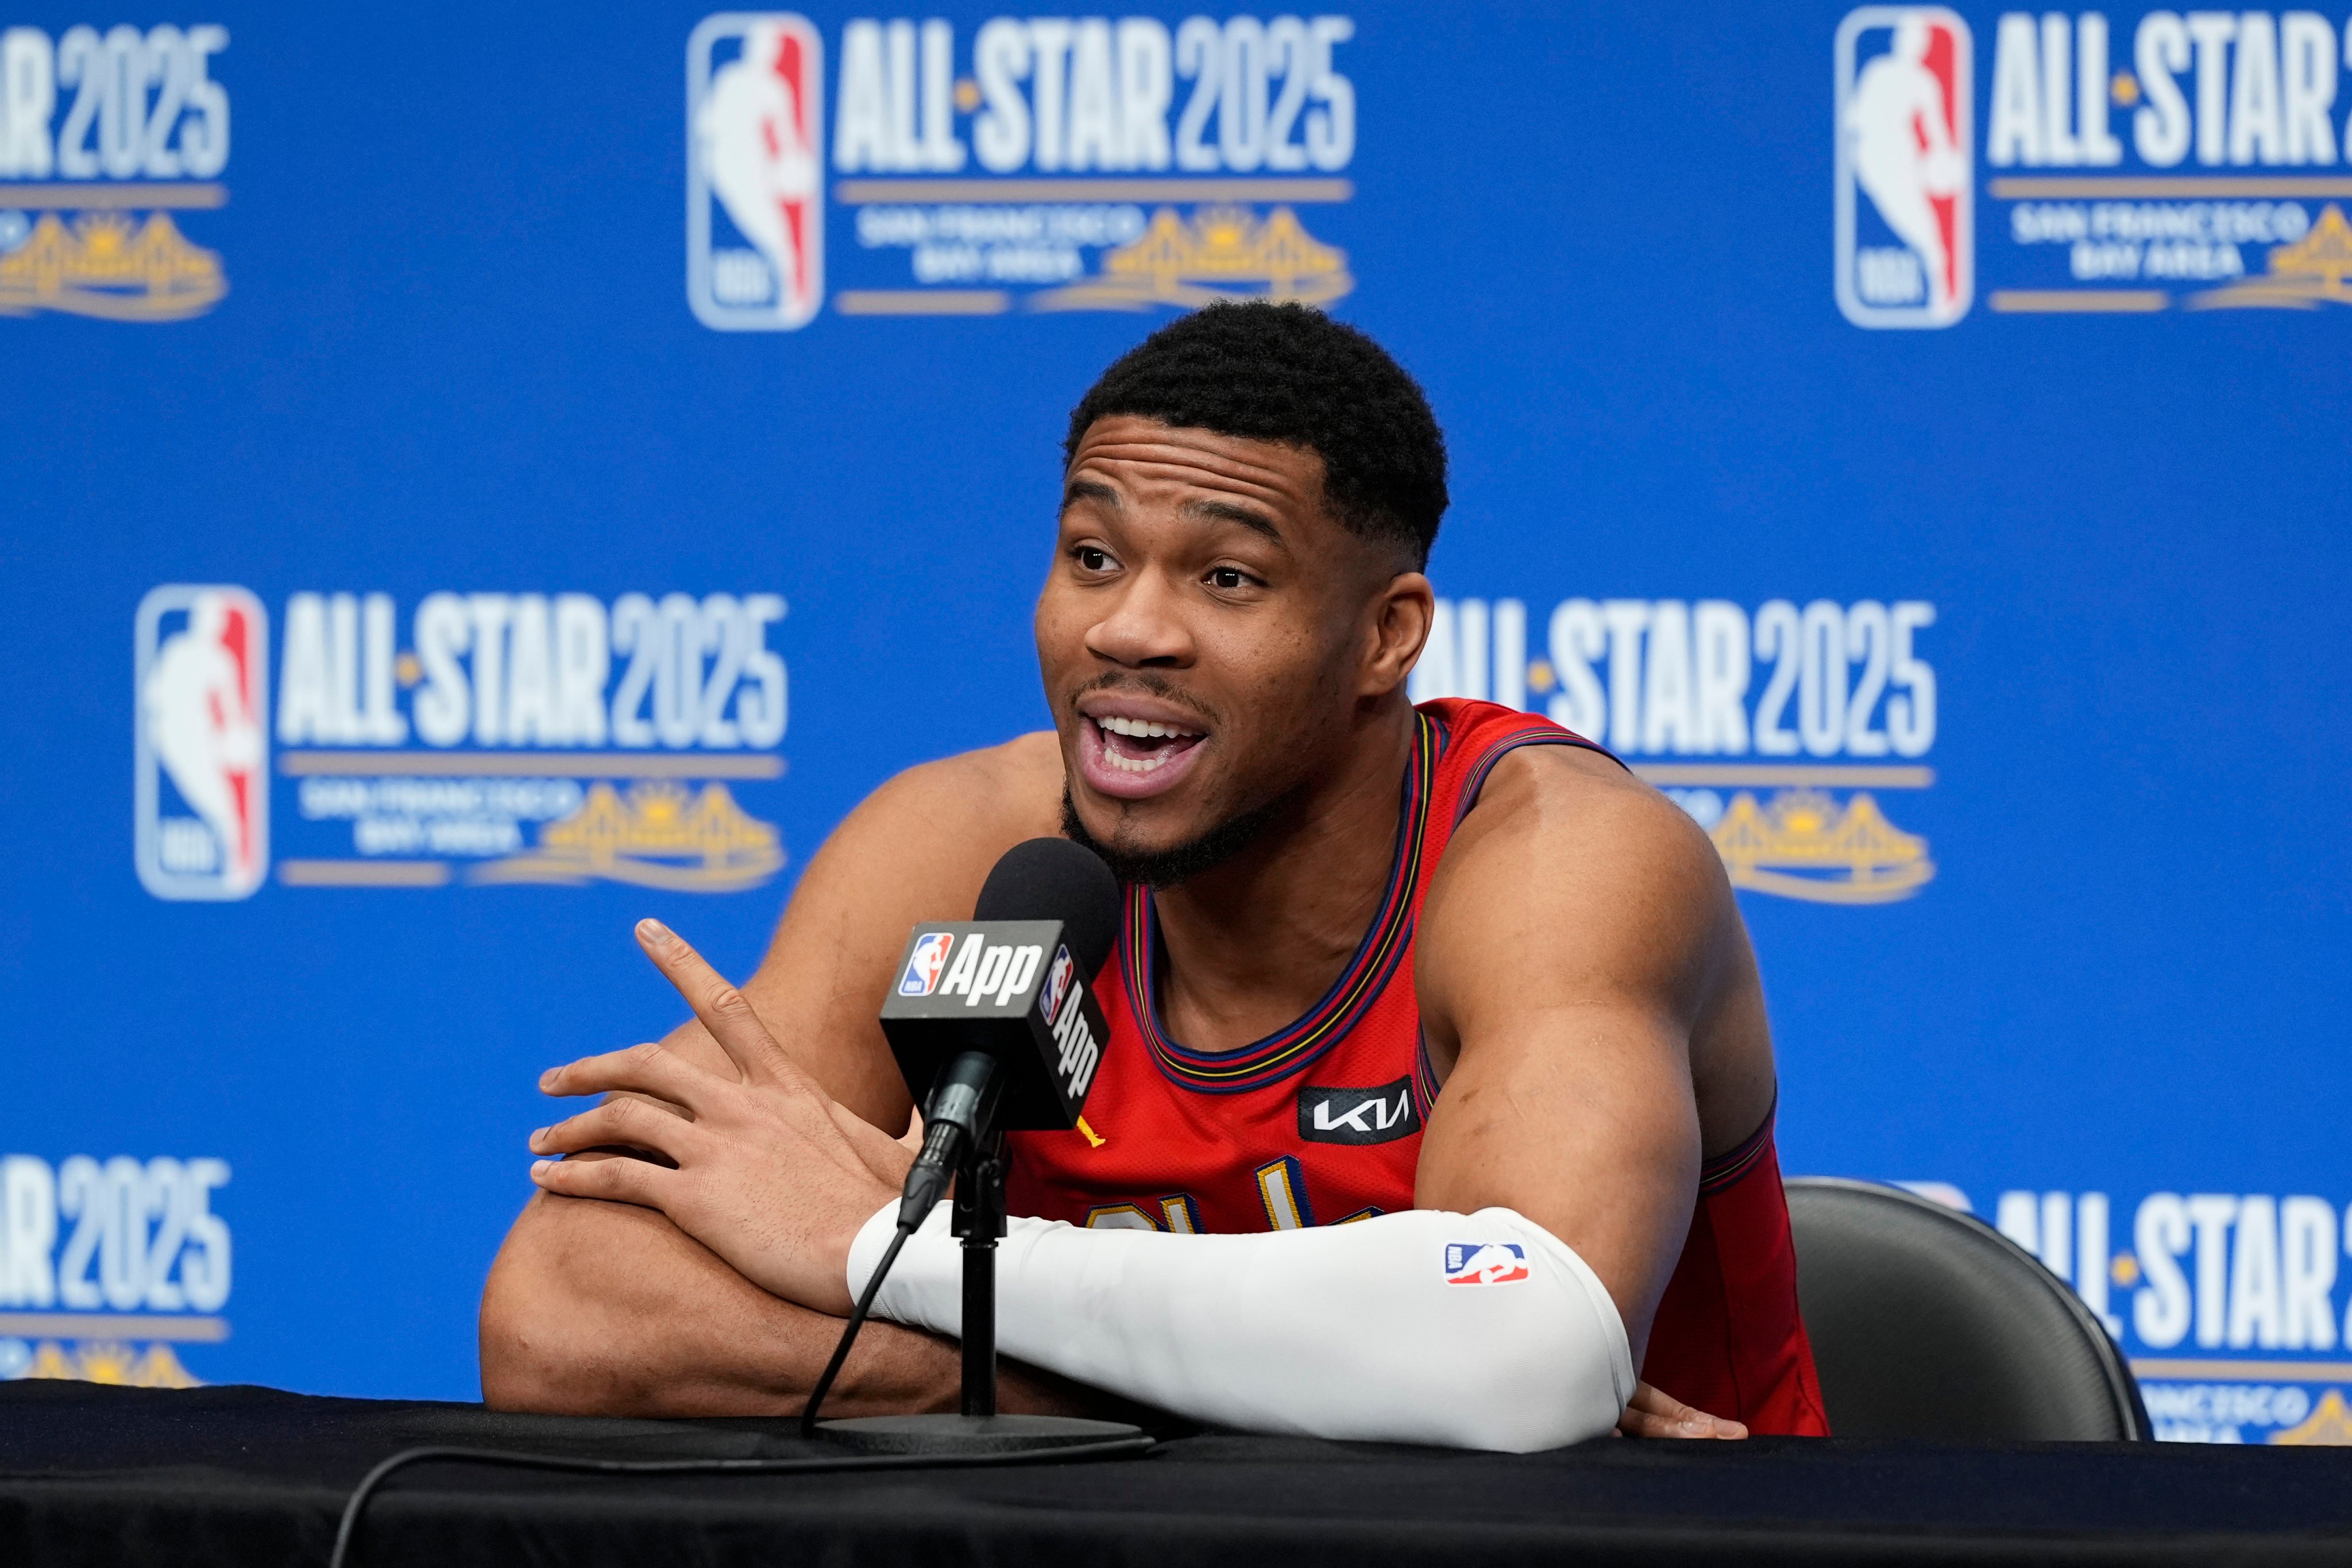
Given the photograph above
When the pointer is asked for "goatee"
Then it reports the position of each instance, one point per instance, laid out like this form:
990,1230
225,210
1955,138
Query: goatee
1183,862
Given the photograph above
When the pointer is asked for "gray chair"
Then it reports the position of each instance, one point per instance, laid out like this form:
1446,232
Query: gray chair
1928,1323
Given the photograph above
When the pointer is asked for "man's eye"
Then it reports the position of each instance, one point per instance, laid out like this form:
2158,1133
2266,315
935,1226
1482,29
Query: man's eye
1226,577
1093,559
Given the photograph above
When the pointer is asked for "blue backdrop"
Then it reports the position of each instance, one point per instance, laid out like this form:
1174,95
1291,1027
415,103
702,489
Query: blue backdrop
470,479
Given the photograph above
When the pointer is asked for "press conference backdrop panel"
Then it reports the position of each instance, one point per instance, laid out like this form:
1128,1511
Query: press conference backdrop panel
472,479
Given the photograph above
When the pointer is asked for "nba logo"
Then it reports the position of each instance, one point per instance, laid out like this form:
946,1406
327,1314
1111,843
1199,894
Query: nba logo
754,186
1057,984
925,963
203,779
1485,1263
1905,207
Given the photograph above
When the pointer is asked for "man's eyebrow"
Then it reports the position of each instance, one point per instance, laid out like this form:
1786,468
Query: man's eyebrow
1212,510
1091,490
1228,511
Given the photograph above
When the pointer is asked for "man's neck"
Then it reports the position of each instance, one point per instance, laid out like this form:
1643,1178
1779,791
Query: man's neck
1255,943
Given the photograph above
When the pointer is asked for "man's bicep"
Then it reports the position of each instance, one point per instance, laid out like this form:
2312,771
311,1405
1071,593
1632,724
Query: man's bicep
1569,946
1581,1119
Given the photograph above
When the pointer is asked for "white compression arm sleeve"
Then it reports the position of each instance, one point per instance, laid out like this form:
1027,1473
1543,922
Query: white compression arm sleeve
1479,1330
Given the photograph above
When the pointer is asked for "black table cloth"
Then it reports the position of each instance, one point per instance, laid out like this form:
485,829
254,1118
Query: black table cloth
249,1476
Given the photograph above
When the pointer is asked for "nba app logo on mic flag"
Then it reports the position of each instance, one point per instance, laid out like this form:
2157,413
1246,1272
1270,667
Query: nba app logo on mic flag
1057,984
199,700
925,964
754,172
1906,180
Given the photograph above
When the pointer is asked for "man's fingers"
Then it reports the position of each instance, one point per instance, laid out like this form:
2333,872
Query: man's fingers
882,1155
719,1006
1647,1423
650,1069
1654,1413
1654,1400
632,1123
1639,1423
616,1181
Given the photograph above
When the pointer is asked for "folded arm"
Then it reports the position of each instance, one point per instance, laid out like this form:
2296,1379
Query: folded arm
1567,1143
605,1309
601,1306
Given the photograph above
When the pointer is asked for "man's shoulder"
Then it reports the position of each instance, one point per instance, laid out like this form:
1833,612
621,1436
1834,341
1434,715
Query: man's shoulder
920,845
1024,764
1573,885
1552,807
1564,846
1014,787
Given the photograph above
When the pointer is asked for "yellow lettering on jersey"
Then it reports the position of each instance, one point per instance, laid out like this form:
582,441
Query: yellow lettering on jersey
1182,1215
1119,1216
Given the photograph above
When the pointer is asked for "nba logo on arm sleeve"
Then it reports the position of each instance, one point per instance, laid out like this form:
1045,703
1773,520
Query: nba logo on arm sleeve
754,172
1906,208
199,700
925,962
1485,1263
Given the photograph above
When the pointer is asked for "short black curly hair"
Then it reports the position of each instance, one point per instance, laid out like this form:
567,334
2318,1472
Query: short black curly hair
1288,373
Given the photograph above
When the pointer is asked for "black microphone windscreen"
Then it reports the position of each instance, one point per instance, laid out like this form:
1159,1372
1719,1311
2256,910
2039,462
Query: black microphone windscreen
1055,880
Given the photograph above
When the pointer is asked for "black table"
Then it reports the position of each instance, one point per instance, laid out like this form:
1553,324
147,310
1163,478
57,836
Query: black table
252,1476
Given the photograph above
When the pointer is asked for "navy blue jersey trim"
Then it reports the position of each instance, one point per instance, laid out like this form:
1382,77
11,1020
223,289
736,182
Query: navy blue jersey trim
1727,1168
1550,735
1299,1046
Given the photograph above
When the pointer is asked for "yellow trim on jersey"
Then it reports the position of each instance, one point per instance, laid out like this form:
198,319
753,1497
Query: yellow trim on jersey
1280,1200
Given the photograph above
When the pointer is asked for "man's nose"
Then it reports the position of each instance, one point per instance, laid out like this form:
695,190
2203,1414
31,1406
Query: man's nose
1144,628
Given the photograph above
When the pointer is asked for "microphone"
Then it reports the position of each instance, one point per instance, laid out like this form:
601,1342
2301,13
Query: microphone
994,1024
993,1020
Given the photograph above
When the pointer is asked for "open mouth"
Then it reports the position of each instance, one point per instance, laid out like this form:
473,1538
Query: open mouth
1143,746
1129,756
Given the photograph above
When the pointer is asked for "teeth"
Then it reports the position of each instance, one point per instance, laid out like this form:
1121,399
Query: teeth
1143,728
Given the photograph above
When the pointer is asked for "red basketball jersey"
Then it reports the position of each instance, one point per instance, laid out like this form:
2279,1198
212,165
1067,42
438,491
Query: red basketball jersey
1320,1122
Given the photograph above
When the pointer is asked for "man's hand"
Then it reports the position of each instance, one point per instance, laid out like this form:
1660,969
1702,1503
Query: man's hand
1654,1413
764,1169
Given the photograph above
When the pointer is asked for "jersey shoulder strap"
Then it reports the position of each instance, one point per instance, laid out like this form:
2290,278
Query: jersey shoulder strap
1473,737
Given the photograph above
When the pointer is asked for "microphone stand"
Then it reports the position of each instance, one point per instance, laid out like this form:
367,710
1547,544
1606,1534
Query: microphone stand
979,1219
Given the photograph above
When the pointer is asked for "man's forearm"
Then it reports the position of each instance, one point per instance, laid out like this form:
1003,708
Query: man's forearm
598,1308
605,1309
1476,1330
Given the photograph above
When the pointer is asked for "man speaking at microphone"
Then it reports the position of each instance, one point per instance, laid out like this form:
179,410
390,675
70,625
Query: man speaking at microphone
1438,1094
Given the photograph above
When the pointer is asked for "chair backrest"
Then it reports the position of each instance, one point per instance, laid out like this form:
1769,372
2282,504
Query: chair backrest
1926,1323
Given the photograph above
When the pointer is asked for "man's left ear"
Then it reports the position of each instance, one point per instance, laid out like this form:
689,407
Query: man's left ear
1400,616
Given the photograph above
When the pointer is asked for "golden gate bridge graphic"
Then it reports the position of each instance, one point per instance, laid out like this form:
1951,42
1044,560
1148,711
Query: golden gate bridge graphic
1221,253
